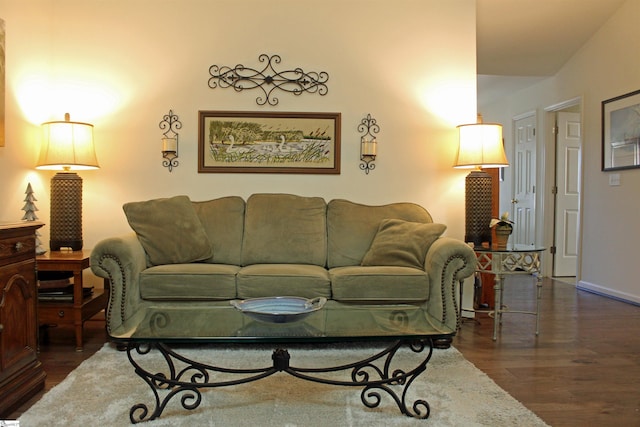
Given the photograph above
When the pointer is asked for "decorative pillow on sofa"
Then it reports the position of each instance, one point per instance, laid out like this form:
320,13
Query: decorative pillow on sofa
169,230
402,243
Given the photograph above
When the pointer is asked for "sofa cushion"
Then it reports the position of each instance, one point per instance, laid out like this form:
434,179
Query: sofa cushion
273,280
351,227
285,229
402,243
223,221
379,284
169,230
185,282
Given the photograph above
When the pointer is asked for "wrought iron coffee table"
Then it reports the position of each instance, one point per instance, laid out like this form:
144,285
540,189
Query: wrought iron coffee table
408,328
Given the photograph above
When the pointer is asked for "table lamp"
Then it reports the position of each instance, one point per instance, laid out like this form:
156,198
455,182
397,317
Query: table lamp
66,147
481,146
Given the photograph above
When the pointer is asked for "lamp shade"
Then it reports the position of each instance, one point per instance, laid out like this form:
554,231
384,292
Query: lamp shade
481,146
67,145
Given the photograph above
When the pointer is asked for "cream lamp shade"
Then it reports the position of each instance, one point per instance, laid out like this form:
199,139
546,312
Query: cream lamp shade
480,145
66,147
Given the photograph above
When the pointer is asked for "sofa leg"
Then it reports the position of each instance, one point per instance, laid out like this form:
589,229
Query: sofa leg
442,343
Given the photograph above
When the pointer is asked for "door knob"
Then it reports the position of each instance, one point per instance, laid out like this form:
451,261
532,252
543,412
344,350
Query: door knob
514,201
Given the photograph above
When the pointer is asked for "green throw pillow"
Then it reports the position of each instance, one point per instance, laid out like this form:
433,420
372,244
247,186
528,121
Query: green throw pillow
169,230
402,243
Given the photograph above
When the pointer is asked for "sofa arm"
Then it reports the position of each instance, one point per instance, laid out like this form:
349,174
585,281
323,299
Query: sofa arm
447,262
120,259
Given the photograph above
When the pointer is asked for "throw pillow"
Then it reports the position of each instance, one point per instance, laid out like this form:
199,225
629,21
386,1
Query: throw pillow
169,230
402,243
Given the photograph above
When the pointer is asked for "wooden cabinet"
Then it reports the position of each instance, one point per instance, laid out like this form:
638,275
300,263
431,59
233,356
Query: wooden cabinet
21,373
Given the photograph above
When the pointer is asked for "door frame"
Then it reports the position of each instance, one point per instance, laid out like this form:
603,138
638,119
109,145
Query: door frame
549,144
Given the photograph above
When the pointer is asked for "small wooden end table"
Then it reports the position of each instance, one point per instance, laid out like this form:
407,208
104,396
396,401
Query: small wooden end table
80,309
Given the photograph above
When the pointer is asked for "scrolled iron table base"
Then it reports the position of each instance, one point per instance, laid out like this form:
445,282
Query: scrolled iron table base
374,374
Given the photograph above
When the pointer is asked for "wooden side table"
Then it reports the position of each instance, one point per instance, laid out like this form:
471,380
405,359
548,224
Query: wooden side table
79,309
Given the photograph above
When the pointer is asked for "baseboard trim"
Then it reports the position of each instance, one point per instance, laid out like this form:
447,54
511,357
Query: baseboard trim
609,293
468,314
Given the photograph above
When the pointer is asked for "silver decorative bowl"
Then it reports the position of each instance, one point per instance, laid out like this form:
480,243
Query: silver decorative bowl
279,309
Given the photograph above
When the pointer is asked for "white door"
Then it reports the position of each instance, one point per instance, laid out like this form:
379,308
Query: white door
568,151
524,186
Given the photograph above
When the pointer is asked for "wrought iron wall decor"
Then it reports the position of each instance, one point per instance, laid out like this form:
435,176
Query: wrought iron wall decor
368,143
268,79
170,124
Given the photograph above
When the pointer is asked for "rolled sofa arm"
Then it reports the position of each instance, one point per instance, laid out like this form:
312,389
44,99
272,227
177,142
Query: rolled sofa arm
120,259
448,261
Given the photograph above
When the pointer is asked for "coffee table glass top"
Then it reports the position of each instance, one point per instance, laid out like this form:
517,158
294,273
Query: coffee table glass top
334,322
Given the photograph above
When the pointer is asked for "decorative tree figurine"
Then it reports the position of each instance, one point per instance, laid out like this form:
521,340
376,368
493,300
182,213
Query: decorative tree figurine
30,209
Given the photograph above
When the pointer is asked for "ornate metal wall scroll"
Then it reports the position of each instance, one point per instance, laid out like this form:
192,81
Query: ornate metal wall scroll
268,79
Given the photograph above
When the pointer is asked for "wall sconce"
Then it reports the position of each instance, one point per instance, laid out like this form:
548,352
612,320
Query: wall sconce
171,123
66,147
480,145
368,143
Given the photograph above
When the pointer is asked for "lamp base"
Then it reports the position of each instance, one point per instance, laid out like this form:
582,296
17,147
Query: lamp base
66,212
478,208
74,245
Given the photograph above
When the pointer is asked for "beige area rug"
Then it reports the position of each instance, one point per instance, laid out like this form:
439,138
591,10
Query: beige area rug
101,391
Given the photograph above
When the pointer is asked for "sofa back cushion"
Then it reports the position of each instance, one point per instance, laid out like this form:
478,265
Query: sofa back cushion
223,222
285,229
351,227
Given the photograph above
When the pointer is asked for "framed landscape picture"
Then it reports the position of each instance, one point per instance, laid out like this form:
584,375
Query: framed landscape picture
621,132
268,142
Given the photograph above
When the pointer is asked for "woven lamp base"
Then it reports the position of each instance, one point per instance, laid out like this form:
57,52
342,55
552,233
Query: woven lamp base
478,207
66,211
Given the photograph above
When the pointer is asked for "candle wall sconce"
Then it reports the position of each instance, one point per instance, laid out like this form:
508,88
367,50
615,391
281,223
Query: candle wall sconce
368,143
170,124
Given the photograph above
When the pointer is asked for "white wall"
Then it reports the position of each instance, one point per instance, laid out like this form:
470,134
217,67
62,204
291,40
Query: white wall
122,64
605,67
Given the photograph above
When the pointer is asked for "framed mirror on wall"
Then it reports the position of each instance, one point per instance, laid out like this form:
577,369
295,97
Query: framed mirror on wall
621,132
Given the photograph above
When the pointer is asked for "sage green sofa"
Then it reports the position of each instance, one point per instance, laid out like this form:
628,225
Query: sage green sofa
206,253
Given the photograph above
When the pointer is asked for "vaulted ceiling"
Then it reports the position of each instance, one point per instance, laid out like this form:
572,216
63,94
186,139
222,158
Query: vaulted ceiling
520,42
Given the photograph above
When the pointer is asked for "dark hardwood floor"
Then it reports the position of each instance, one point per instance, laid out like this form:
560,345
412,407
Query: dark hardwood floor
58,354
582,370
584,367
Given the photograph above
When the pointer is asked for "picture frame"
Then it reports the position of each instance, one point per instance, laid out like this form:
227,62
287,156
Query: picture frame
621,132
3,37
268,142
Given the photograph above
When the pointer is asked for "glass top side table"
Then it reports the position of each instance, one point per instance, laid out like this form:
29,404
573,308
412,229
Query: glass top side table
515,259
